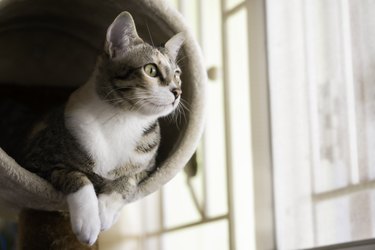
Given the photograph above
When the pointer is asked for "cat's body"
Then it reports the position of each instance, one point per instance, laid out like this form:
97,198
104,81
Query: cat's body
104,140
118,141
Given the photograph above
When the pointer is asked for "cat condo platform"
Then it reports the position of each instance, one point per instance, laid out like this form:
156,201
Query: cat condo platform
48,48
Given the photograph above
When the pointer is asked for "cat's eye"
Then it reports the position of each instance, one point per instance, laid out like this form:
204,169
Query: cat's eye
151,70
177,74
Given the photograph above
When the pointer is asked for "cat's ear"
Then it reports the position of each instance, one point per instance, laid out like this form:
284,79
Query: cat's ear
174,44
121,35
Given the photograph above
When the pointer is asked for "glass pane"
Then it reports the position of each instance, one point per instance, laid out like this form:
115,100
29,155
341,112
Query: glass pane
239,116
345,218
214,143
152,243
204,237
135,220
320,57
215,155
124,234
124,244
292,155
150,210
238,89
326,58
179,206
363,34
232,3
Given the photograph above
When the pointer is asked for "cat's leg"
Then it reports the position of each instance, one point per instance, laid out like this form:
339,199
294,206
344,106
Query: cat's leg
109,208
82,202
112,198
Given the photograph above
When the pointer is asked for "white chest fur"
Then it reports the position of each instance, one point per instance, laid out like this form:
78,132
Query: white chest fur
107,134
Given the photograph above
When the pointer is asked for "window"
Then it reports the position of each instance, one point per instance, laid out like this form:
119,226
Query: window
287,159
321,59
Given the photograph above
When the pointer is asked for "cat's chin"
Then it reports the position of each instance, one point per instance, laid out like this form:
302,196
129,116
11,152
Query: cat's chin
158,110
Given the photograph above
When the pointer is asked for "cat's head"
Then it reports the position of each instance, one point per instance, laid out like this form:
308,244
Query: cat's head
134,75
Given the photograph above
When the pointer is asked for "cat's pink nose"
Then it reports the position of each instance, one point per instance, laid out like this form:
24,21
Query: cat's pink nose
176,92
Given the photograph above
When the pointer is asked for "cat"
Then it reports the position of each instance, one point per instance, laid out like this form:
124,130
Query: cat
104,140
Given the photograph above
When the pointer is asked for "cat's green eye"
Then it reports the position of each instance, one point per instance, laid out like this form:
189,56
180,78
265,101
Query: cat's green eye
151,70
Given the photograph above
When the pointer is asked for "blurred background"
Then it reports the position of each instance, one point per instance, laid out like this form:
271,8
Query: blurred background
287,160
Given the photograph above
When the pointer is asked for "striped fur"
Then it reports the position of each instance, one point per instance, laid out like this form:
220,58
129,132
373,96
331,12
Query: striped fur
105,138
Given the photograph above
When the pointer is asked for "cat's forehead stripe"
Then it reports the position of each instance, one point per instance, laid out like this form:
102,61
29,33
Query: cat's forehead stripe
165,59
164,65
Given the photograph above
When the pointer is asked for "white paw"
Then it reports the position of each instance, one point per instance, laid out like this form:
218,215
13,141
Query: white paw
109,209
84,214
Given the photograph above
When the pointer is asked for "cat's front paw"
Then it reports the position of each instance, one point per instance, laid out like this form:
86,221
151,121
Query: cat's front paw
86,228
84,214
109,209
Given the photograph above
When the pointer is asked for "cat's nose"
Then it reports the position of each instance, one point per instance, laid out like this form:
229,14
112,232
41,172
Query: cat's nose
176,92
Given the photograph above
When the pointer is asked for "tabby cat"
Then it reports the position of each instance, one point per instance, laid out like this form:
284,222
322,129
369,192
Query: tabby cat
103,142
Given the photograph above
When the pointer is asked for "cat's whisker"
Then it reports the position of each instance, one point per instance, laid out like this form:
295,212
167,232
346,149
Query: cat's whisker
116,89
149,33
182,108
181,59
180,114
140,104
111,117
109,92
114,99
184,104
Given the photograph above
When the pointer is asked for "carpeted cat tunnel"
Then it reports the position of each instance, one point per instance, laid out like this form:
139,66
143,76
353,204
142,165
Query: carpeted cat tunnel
47,49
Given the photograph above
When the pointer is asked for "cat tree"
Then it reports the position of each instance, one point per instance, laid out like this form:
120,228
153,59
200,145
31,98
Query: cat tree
50,47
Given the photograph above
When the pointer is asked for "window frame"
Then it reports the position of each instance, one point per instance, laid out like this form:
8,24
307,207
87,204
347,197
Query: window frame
354,245
261,129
